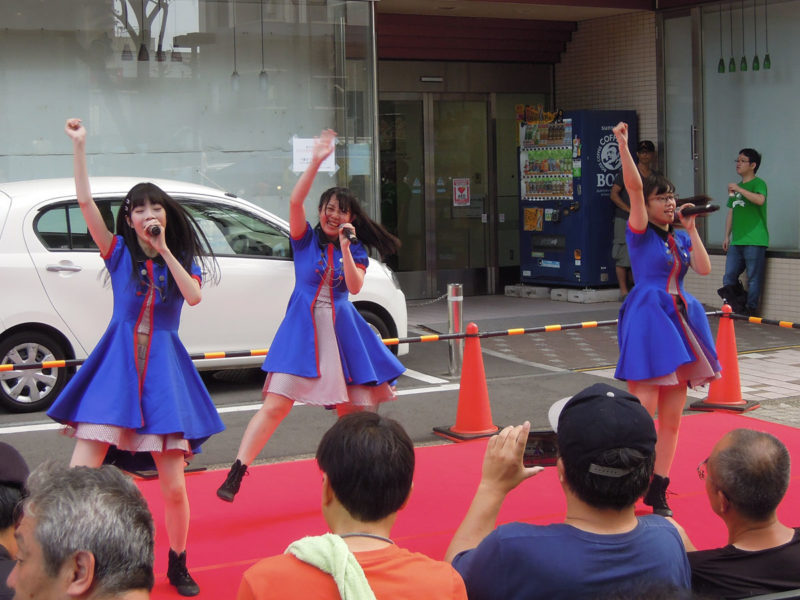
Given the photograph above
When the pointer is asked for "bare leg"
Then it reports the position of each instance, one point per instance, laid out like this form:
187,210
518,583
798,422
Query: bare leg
670,408
176,501
622,279
262,426
348,407
669,402
88,453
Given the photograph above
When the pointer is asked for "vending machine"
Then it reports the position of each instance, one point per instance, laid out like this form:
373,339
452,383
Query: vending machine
567,165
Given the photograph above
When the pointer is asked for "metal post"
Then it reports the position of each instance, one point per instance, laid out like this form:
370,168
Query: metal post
455,299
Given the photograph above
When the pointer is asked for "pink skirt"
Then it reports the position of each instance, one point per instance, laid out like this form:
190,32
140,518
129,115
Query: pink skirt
127,439
330,387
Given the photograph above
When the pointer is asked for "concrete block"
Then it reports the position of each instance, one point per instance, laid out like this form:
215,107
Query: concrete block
527,291
559,294
589,296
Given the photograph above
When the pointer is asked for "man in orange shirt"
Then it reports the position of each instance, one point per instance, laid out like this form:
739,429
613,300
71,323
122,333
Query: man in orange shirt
367,464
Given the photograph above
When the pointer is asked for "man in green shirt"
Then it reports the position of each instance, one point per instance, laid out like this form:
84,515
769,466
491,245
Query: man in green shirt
746,234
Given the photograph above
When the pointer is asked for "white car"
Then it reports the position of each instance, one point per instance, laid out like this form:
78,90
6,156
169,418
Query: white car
54,303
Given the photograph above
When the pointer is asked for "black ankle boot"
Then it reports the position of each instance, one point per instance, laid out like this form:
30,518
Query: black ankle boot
230,487
657,496
178,575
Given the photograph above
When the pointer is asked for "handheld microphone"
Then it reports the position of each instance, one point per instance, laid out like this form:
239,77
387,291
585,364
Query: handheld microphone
154,230
699,210
348,233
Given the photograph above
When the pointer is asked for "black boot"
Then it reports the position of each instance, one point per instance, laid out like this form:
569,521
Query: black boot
230,487
657,496
178,575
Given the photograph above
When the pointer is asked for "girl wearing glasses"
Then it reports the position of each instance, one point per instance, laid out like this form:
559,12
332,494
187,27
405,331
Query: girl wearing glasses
665,342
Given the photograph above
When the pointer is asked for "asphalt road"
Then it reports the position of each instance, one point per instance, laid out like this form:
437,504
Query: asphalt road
524,375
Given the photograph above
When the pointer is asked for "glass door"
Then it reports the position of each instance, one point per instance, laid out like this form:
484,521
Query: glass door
434,155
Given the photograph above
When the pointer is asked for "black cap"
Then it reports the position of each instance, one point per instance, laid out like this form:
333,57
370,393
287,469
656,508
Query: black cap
646,146
598,419
13,468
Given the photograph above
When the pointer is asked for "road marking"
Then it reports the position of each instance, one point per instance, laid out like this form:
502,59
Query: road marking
424,377
523,361
30,428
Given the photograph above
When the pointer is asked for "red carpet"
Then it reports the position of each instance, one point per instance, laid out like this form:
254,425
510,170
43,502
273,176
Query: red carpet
280,503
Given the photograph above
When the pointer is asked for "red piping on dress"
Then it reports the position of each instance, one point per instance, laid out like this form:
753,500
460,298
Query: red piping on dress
673,274
150,294
110,249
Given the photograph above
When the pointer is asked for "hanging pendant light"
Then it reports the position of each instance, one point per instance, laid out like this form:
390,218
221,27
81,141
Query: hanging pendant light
743,62
767,61
235,74
756,65
731,62
144,55
263,80
721,64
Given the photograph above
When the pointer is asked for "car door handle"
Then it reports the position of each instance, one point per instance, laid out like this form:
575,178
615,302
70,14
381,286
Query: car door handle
70,268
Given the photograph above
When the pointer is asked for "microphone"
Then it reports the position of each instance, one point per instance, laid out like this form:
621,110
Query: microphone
699,210
350,235
154,230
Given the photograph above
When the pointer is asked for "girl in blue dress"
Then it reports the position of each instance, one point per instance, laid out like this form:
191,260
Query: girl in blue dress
665,343
324,352
138,391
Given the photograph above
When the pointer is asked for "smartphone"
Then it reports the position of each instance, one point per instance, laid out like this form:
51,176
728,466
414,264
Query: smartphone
541,449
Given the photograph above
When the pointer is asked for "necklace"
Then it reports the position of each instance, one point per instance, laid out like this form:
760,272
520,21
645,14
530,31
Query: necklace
367,535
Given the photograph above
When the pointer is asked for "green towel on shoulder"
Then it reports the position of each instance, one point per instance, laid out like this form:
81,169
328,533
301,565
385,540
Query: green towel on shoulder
330,554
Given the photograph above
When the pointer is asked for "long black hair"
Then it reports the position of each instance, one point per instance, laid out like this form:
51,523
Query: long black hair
371,234
183,235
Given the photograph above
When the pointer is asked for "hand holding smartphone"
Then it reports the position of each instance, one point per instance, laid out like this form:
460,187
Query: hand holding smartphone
541,449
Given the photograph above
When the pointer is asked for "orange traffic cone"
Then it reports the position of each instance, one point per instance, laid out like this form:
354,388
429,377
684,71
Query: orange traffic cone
474,416
726,392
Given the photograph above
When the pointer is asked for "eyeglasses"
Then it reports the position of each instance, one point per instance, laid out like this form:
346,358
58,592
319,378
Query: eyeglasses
742,160
702,469
666,198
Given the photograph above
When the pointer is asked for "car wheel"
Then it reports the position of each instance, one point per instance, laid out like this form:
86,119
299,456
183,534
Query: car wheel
378,325
30,390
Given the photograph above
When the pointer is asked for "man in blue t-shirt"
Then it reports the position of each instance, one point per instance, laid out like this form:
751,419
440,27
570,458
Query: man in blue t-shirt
606,447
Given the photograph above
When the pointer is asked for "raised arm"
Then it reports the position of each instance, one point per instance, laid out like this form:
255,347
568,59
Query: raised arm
323,146
699,260
633,180
502,472
94,220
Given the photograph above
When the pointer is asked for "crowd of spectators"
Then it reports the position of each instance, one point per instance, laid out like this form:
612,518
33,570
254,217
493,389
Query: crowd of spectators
88,533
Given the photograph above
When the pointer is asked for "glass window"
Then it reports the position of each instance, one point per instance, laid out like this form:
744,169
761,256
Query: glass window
752,108
207,91
62,227
233,232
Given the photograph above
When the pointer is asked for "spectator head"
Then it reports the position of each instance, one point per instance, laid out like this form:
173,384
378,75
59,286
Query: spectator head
751,470
84,533
369,464
645,146
13,473
606,445
754,156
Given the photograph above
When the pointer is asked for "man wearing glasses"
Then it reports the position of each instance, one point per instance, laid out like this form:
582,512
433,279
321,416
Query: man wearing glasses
746,477
746,235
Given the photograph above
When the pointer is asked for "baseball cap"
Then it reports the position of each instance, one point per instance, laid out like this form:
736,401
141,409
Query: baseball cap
13,468
597,419
646,146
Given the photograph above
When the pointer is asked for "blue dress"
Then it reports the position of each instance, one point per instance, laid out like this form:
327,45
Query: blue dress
661,327
170,398
295,349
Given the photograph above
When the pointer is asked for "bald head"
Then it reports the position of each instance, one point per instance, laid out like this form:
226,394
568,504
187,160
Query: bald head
752,469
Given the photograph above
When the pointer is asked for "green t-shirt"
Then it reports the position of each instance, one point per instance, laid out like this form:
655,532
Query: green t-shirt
749,221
